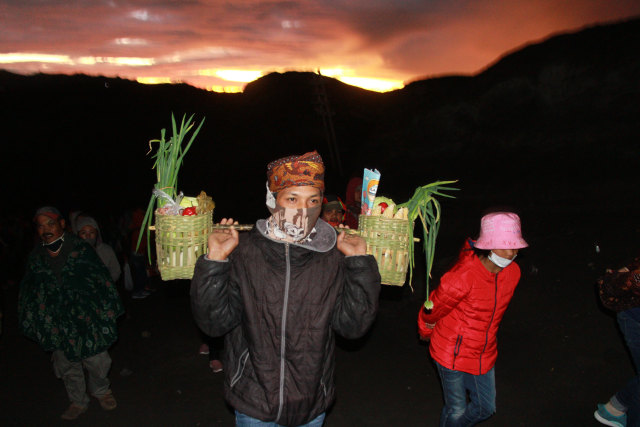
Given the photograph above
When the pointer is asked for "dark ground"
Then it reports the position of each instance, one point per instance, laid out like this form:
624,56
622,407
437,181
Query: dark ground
560,352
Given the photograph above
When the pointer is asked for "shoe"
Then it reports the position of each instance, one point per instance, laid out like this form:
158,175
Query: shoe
607,419
216,366
149,290
73,412
140,295
107,401
204,349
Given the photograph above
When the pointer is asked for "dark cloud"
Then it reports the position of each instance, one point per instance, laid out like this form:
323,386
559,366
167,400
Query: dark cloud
377,22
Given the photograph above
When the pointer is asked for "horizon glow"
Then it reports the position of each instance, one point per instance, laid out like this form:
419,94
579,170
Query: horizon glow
378,45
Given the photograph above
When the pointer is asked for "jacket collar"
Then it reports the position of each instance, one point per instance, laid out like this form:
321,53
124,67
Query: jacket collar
323,241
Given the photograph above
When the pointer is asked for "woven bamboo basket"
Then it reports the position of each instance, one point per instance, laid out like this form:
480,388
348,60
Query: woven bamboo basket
388,241
180,240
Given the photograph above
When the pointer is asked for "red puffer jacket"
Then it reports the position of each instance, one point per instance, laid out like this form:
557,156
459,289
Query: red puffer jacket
468,306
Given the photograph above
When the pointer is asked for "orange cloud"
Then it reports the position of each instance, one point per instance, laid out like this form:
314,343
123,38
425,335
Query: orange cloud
372,40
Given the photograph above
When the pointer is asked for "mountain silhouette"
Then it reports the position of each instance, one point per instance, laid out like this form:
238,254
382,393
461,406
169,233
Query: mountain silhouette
550,122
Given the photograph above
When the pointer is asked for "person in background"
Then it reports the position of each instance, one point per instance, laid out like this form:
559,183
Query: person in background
72,226
353,202
213,346
280,292
333,210
468,306
89,231
138,259
69,304
620,291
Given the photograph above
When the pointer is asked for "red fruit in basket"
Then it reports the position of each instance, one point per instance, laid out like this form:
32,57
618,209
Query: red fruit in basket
189,211
383,206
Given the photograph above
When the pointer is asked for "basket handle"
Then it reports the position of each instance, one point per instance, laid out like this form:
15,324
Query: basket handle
247,227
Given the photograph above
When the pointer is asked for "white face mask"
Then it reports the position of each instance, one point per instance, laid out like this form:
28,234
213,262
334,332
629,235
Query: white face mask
55,245
499,261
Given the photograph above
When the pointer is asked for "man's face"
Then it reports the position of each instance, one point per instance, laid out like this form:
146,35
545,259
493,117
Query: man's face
299,197
302,207
49,229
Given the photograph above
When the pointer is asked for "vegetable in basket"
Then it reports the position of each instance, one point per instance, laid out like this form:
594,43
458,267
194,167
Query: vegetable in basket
169,157
387,208
189,211
425,206
381,205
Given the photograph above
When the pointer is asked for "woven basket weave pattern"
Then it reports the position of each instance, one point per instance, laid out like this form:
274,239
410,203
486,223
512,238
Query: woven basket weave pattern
388,241
180,240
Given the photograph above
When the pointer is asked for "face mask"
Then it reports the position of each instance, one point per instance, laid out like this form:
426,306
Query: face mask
499,261
55,245
292,225
92,241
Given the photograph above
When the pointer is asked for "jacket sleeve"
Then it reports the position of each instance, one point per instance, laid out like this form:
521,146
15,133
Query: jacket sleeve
425,328
215,298
452,289
357,305
112,264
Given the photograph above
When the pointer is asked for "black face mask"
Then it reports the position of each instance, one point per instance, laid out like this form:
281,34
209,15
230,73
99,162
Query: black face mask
55,245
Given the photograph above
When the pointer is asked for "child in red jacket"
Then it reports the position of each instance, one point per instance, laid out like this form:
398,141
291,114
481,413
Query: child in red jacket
468,306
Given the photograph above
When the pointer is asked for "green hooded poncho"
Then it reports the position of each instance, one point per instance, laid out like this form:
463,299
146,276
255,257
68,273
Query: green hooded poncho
74,311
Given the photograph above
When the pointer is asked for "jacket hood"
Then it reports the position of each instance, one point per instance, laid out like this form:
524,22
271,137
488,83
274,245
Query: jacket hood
351,188
323,241
87,220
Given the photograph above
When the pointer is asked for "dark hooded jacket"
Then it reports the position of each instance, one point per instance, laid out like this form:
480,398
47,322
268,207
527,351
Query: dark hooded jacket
280,304
104,251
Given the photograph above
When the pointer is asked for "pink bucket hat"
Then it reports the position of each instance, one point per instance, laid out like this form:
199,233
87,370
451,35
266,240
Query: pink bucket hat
500,230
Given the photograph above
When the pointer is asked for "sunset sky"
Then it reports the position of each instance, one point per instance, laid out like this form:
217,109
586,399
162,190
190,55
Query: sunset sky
222,45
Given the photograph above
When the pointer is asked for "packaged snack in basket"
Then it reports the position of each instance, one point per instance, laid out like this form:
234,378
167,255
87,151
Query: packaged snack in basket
205,203
370,181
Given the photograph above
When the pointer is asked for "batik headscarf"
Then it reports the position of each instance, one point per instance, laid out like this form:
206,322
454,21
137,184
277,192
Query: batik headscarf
306,169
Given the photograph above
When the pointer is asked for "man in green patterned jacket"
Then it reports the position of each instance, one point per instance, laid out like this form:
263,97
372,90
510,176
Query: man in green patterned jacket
69,305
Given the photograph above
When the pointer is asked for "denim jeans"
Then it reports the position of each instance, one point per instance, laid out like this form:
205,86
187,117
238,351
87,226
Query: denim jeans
629,396
243,420
482,397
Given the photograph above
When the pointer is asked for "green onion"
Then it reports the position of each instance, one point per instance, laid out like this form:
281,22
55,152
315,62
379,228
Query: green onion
425,206
168,157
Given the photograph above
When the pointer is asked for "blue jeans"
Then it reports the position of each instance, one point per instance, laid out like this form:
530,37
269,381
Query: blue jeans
482,397
243,420
629,396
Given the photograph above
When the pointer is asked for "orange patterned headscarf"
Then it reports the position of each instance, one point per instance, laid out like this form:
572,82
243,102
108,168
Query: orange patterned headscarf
306,169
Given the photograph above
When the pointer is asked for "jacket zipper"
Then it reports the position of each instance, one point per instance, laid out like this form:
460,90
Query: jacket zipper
284,329
493,313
